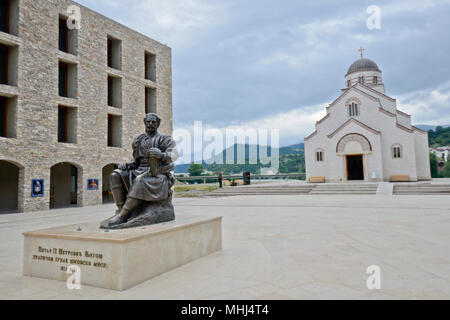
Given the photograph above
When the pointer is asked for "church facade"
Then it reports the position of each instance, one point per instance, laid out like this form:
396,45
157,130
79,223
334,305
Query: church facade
365,137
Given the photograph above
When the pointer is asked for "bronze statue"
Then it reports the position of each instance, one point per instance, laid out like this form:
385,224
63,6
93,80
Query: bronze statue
142,189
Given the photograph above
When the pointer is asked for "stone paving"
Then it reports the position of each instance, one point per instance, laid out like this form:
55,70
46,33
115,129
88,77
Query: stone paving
275,247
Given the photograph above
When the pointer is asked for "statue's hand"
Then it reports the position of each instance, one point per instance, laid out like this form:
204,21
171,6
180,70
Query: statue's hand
155,153
123,167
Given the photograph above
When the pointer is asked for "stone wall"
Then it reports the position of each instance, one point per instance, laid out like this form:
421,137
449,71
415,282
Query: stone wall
35,148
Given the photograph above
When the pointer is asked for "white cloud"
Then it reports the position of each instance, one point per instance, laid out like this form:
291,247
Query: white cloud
429,106
400,7
293,125
316,38
311,42
176,23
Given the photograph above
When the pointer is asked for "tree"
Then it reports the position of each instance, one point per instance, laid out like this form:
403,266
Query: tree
196,170
434,166
446,171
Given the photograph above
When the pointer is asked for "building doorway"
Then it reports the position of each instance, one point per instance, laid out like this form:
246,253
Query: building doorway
355,167
63,186
9,188
106,174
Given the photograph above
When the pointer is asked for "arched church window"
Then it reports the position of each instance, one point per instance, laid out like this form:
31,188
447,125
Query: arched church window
349,83
319,155
375,80
361,80
396,151
353,110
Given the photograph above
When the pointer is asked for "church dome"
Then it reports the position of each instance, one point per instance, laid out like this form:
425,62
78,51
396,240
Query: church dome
363,65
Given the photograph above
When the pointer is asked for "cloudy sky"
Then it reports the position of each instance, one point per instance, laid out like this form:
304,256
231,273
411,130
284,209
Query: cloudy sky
278,64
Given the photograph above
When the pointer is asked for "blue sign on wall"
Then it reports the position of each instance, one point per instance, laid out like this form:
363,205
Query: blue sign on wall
93,184
37,188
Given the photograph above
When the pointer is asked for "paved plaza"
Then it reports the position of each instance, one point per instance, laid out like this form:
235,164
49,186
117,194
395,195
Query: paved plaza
275,247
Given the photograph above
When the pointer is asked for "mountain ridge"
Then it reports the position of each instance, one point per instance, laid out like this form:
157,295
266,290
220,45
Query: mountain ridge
294,149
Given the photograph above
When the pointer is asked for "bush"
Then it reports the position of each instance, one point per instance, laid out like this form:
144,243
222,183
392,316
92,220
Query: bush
196,170
446,172
434,164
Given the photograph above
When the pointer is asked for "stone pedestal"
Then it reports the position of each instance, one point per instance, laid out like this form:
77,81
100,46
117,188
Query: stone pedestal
119,259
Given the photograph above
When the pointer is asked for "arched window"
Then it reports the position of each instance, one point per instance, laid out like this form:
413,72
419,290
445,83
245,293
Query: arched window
375,80
397,151
319,155
361,80
349,83
353,109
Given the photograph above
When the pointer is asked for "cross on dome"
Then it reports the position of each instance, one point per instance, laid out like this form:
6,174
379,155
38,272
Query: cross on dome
362,51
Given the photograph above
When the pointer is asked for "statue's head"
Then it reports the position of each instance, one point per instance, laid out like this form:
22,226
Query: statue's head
152,122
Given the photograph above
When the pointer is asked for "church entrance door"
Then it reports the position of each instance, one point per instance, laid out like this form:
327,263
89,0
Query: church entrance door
355,168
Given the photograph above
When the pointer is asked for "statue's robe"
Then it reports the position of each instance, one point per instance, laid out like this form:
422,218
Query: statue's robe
139,181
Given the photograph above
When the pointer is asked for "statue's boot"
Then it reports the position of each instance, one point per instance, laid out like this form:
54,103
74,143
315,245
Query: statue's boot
122,217
112,222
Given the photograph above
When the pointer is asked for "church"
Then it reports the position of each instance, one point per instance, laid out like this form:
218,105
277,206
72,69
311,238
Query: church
365,137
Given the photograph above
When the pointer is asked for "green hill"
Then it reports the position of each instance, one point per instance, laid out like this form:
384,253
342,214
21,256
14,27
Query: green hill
439,137
291,160
293,149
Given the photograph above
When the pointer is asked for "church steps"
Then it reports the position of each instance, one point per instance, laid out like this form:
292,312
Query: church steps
337,189
264,191
279,190
255,194
422,189
343,192
420,193
343,189
267,191
340,189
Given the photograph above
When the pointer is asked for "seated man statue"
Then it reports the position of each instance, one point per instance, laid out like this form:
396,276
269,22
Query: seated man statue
142,189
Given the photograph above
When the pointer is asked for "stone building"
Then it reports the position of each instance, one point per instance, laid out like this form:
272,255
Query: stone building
365,137
73,95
